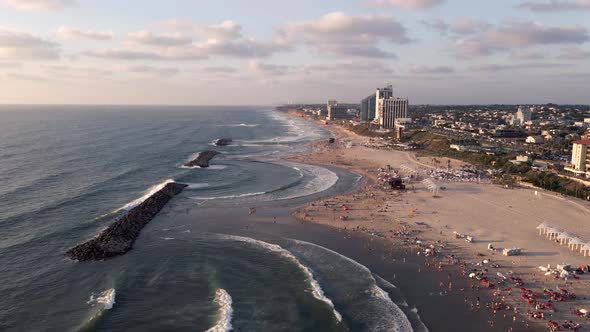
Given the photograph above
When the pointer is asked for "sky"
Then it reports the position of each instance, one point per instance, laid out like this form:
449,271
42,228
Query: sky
268,52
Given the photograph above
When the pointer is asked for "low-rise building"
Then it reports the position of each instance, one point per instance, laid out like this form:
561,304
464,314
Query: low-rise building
534,140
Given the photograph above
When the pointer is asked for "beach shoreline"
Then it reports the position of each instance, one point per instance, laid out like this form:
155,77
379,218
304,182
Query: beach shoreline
377,212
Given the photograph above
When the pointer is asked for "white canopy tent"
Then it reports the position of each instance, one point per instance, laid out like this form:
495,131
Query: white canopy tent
552,232
543,228
575,243
564,238
585,249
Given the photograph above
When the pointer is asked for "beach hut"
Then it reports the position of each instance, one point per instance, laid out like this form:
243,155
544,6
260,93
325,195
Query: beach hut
575,242
585,249
543,228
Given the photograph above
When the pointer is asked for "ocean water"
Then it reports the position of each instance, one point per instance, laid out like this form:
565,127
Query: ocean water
68,171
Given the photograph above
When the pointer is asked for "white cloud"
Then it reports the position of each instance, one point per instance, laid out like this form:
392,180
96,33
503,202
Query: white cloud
518,35
74,33
409,4
422,69
341,34
574,53
150,70
554,5
149,38
24,46
35,5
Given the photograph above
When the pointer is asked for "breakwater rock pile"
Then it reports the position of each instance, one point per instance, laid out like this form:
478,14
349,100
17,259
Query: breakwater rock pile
223,141
202,159
119,237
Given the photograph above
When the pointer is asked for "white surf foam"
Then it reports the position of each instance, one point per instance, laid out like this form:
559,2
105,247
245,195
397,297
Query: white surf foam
224,301
321,180
197,185
399,321
229,196
317,291
107,298
167,238
152,190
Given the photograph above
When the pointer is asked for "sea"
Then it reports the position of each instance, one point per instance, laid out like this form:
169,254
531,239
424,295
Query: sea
202,264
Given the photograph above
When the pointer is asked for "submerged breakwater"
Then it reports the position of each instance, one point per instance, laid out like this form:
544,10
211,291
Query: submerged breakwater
118,238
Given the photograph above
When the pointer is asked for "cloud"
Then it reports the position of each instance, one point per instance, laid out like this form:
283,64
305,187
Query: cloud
463,26
26,77
36,5
74,33
243,48
10,65
409,4
149,38
520,55
431,69
339,34
505,67
517,35
220,70
373,69
222,31
574,53
23,46
127,54
554,5
157,71
269,69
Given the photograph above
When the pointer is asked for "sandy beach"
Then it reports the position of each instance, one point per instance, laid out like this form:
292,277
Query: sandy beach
515,286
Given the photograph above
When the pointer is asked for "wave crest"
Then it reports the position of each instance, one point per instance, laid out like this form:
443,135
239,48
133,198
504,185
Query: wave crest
224,301
316,290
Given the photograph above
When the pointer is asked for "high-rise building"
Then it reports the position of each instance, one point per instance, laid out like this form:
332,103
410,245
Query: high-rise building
368,108
392,109
380,95
580,164
383,108
523,115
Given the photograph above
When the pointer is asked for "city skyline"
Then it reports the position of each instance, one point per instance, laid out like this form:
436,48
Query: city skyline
265,52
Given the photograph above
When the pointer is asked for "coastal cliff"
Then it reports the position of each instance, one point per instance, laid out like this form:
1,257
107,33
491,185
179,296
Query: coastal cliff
119,237
202,159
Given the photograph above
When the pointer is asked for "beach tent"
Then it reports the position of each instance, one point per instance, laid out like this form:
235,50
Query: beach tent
543,228
585,249
575,242
564,238
552,232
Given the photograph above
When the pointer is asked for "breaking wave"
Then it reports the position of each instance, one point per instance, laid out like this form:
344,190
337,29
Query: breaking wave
229,196
107,298
224,301
152,190
316,290
379,312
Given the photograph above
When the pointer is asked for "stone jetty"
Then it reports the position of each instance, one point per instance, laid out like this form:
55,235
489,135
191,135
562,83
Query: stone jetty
119,237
